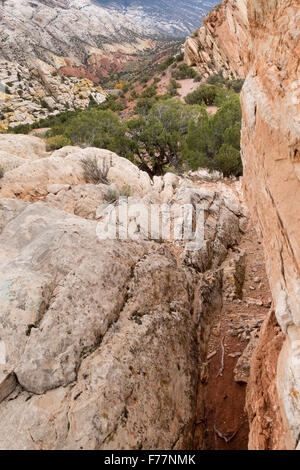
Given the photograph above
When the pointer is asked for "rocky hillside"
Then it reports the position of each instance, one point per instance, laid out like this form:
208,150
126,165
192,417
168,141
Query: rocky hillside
102,340
77,37
167,17
27,95
222,42
48,47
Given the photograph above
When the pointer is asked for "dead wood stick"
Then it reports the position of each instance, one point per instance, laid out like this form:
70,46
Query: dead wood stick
220,373
225,438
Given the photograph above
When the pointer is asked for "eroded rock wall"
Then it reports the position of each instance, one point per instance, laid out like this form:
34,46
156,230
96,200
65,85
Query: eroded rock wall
271,155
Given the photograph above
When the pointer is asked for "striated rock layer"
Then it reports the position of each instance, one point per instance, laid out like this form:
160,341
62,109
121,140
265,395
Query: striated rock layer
271,154
222,41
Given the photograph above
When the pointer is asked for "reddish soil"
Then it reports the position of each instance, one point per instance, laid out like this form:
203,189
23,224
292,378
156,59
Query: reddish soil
222,421
187,86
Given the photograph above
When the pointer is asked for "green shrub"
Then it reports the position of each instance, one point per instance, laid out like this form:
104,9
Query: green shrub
1,172
204,93
94,127
216,79
179,57
228,161
149,92
113,195
183,71
198,78
144,105
236,85
162,67
173,87
213,142
57,142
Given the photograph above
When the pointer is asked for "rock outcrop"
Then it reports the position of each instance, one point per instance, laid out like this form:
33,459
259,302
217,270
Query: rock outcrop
31,94
271,154
101,340
221,44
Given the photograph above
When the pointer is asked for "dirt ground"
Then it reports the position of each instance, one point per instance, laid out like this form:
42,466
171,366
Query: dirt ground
223,421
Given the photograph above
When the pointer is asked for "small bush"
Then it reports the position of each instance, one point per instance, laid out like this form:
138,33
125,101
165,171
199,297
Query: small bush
57,142
236,85
149,92
216,79
198,78
1,172
162,67
113,195
183,71
179,57
92,173
228,161
173,87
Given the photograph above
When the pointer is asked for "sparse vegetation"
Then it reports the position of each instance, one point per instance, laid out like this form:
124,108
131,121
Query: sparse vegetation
1,172
113,195
172,88
163,134
183,71
57,142
93,173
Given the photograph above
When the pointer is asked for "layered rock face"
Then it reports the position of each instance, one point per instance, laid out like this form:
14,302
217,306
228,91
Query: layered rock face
44,43
101,340
30,94
271,154
221,44
175,18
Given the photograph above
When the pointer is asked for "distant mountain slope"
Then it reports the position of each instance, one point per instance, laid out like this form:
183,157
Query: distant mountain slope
172,17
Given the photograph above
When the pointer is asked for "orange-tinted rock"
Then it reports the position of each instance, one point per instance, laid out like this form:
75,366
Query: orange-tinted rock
262,406
271,150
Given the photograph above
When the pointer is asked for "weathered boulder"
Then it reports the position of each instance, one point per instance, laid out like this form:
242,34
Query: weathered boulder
32,180
88,327
10,162
24,146
82,200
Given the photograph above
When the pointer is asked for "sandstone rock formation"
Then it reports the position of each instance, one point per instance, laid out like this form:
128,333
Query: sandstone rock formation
270,142
101,340
221,44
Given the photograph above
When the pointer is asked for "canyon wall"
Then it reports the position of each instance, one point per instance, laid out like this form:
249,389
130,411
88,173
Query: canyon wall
271,154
